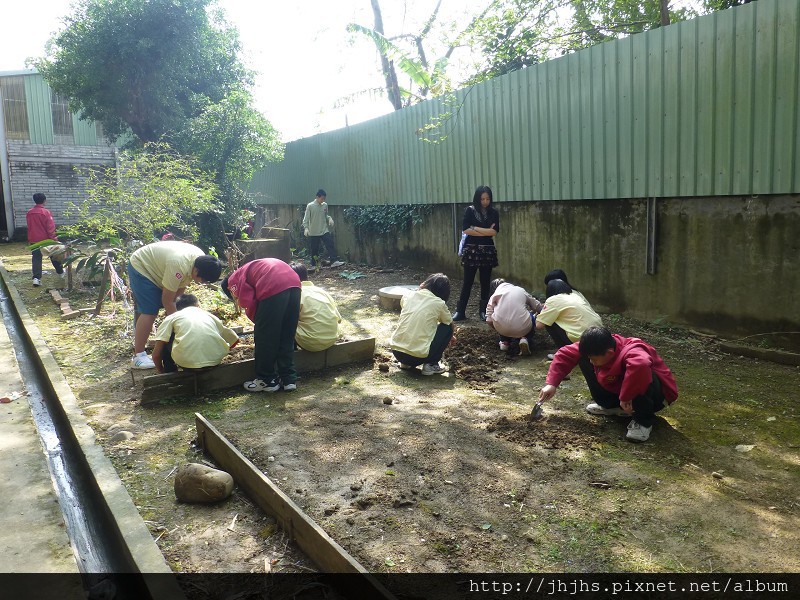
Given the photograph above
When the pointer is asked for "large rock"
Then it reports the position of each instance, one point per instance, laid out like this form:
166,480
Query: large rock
199,483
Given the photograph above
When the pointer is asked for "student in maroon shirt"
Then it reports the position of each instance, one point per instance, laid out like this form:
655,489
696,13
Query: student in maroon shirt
41,227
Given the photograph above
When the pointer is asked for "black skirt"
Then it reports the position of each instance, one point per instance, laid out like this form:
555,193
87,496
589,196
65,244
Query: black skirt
479,255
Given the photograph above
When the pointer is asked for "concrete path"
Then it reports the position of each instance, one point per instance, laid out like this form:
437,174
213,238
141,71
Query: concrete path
33,538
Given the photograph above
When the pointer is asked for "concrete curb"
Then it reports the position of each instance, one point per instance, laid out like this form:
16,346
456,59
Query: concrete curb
143,550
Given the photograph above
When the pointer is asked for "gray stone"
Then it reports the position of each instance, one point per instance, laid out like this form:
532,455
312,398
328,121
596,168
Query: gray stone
198,483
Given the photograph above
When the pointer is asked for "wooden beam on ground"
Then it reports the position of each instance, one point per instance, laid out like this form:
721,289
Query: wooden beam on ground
777,356
323,550
169,385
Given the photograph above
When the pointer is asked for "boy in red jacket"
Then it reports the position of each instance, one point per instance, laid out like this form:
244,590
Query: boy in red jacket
41,227
634,379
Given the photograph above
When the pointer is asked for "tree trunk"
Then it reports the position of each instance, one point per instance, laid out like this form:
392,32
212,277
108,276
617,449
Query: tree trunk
389,74
664,5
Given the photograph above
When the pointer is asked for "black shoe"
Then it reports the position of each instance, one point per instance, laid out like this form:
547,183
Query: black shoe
459,316
482,316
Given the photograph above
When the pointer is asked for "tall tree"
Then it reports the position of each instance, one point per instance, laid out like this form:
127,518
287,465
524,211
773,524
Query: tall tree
165,70
143,65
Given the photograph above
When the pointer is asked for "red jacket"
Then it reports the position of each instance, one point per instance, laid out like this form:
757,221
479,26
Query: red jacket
627,375
259,279
40,225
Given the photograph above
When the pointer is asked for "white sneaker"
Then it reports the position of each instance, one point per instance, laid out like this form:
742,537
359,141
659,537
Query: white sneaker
524,347
289,387
259,385
637,432
551,356
142,361
596,409
504,346
337,263
428,369
36,282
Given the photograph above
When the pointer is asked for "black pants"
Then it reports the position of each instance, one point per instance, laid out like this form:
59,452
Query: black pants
274,331
36,264
466,287
314,242
442,337
645,406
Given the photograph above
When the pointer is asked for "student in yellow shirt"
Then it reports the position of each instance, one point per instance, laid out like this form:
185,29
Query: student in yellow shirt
425,328
191,338
318,326
158,273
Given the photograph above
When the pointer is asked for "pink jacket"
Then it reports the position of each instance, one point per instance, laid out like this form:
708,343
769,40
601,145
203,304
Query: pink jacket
259,279
40,224
628,375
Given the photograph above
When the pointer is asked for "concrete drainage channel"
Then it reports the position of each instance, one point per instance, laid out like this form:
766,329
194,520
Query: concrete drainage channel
110,541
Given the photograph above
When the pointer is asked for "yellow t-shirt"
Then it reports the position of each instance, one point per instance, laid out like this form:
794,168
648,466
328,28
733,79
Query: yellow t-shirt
318,327
420,315
167,264
201,340
571,312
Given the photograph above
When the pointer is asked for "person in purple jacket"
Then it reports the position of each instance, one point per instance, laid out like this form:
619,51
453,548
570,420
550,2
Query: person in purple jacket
268,290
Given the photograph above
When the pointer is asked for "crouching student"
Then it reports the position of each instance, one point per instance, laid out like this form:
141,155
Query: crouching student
318,325
511,312
269,292
191,338
425,328
633,376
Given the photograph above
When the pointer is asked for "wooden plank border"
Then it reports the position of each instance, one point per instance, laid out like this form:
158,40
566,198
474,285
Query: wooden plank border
168,385
323,550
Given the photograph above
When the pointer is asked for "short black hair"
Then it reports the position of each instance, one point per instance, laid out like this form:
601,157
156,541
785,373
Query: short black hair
186,300
557,286
438,284
322,193
208,268
557,274
301,270
596,341
224,287
496,283
39,198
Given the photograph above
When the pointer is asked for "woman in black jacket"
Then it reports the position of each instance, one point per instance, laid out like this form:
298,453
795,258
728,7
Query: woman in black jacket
481,223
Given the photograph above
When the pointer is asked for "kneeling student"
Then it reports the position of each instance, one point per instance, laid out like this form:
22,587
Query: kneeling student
634,379
425,328
191,338
318,325
511,312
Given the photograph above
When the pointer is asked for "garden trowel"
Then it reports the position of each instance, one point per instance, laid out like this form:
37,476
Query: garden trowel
537,412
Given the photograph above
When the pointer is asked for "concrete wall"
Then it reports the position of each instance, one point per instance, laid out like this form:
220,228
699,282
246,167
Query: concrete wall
51,170
728,265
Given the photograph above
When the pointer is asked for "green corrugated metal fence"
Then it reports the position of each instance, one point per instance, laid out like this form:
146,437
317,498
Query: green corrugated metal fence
707,107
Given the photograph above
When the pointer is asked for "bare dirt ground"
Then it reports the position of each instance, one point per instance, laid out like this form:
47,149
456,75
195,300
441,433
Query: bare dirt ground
448,473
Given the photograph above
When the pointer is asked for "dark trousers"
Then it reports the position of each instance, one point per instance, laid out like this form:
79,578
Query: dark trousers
466,287
166,356
442,337
314,242
274,331
36,264
645,406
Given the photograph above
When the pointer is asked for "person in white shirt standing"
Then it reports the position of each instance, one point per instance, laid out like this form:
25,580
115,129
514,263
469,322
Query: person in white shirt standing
317,225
